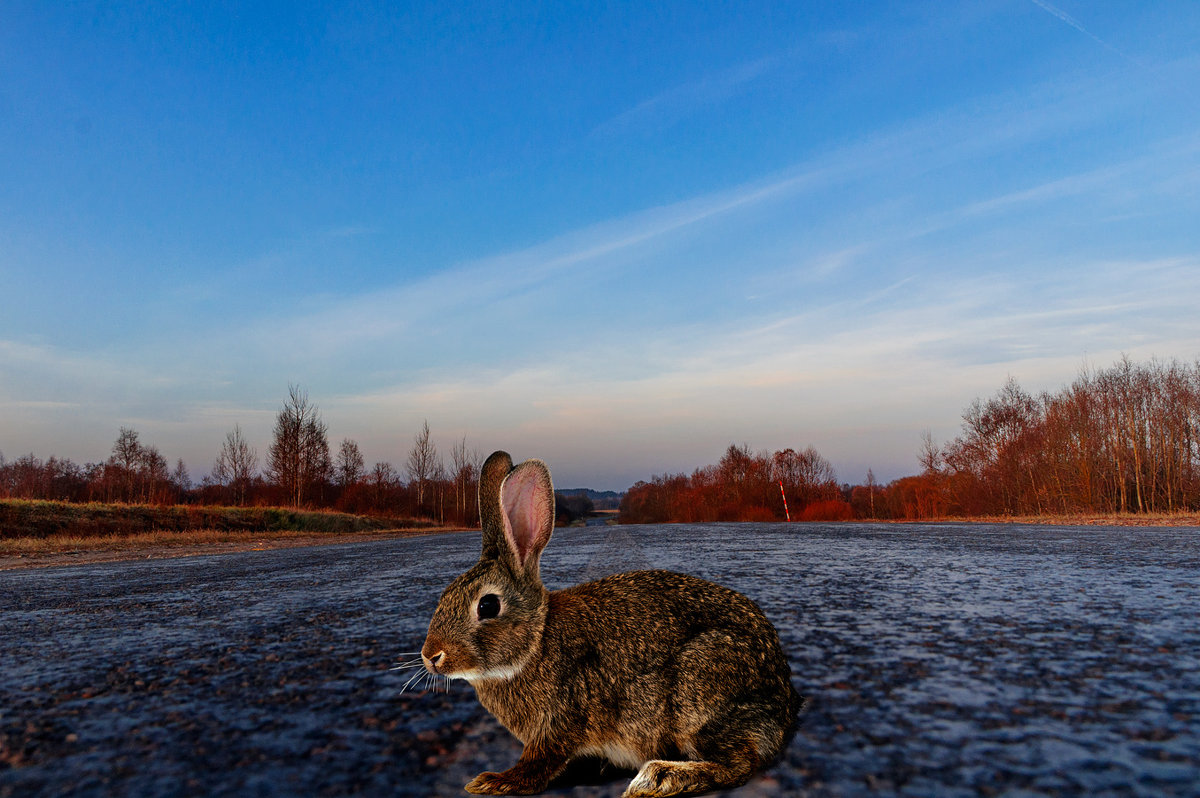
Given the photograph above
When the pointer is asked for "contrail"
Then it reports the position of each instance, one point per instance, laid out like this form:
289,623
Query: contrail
1074,23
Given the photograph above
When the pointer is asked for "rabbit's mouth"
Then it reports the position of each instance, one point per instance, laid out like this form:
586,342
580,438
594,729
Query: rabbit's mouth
439,663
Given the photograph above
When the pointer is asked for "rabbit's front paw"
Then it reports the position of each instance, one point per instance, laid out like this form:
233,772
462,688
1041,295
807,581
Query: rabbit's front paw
486,784
659,779
655,779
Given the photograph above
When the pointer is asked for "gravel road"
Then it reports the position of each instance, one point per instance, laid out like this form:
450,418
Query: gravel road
938,660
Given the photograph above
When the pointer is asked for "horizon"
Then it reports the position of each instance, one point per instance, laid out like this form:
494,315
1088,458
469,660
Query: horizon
615,240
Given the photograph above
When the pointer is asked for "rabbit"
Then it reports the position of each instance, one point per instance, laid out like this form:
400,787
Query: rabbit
678,678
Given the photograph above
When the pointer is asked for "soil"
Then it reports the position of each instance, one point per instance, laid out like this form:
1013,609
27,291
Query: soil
937,660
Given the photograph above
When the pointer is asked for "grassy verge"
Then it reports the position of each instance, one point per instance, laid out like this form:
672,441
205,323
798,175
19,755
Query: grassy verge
140,540
33,527
37,519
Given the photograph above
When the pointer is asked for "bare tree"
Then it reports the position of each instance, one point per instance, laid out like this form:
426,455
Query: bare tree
141,471
807,474
463,463
382,484
153,474
126,454
298,459
422,460
180,477
126,449
350,468
737,472
930,456
236,464
440,478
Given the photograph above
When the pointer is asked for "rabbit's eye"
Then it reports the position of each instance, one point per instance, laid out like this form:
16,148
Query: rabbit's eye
489,607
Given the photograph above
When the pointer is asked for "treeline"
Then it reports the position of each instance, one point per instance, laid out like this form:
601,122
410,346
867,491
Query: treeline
1125,439
743,486
1120,440
135,473
299,470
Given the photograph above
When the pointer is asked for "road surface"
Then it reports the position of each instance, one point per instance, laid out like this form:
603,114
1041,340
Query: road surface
937,660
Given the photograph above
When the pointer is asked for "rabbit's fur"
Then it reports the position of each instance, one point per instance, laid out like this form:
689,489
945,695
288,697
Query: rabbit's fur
655,670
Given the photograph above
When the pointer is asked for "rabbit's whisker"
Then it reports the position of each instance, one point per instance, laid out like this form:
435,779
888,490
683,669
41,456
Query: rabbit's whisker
412,679
408,663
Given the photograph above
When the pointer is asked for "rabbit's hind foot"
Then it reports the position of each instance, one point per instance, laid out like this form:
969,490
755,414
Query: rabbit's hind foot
659,778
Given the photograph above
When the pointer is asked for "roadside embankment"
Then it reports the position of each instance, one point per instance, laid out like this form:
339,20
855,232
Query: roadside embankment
51,533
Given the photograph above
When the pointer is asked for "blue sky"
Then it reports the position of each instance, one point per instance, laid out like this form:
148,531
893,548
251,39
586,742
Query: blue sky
617,237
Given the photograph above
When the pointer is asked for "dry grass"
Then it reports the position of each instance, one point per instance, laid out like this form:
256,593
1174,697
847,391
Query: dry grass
46,533
73,550
141,540
40,519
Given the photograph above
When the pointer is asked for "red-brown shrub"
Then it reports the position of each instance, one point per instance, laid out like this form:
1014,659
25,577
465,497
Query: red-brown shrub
828,510
758,515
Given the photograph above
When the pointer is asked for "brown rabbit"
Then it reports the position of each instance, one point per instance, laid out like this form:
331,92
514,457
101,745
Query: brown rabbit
678,677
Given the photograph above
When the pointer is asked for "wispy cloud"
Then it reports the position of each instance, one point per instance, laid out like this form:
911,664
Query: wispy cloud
1074,23
947,138
488,281
41,373
671,105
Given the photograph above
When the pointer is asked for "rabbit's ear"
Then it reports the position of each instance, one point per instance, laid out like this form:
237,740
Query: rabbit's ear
527,496
491,514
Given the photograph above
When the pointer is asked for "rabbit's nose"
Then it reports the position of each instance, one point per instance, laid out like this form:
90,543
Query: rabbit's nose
435,660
